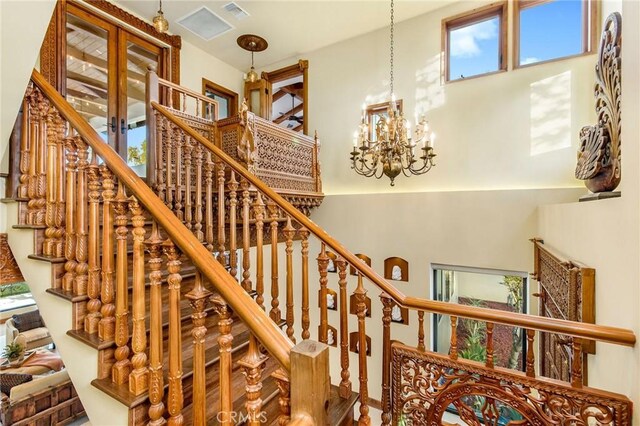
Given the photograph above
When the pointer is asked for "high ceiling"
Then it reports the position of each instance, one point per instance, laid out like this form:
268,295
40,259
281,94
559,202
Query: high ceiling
290,27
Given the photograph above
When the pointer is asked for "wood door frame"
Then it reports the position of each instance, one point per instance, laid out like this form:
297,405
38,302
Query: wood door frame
53,53
301,68
223,92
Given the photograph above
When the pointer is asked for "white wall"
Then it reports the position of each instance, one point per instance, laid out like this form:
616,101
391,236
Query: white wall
493,132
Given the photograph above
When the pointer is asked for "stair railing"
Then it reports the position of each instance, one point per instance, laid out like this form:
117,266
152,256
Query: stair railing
252,219
68,172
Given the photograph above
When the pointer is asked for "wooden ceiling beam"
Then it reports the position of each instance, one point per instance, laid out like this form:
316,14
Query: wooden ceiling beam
286,115
298,127
100,63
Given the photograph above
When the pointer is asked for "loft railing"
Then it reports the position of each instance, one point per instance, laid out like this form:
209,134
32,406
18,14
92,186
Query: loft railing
66,188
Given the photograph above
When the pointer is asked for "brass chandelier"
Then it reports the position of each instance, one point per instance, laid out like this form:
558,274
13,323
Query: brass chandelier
390,150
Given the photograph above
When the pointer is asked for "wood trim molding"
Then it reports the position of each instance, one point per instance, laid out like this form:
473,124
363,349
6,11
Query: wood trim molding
222,92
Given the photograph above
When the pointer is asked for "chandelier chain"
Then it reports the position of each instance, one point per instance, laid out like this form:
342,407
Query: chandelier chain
391,52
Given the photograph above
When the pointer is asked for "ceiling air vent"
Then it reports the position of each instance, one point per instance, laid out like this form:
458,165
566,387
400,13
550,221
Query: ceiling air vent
238,12
205,24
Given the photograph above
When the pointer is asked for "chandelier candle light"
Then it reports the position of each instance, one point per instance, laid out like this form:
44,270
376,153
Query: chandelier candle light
392,151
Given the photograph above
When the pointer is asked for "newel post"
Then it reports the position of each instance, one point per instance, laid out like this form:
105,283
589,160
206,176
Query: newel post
310,382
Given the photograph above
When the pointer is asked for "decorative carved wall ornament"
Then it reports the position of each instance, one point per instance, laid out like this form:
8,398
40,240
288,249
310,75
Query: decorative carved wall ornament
246,145
599,155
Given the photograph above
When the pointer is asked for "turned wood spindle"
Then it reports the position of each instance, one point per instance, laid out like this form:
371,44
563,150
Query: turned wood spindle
304,244
175,399
208,201
81,282
421,345
258,212
274,313
387,306
361,309
199,159
198,298
246,239
106,326
161,145
93,278
345,383
233,206
252,365
453,343
25,148
121,369
576,362
220,170
530,368
323,264
178,206
489,361
284,398
156,380
139,377
59,222
70,238
289,232
188,204
225,341
51,246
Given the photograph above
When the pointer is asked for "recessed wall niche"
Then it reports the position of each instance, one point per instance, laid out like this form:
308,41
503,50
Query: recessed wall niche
353,305
396,269
332,299
399,315
354,343
366,259
332,336
332,267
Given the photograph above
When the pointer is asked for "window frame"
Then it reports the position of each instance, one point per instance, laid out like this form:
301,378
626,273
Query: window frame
376,109
499,9
590,30
223,92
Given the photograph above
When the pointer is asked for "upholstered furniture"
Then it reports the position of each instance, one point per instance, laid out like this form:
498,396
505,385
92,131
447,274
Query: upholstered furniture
30,327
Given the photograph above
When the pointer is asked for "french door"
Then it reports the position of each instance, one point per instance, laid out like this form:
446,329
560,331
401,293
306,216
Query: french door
105,80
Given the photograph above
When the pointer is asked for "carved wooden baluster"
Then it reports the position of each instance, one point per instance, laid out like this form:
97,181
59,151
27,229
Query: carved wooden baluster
93,285
345,383
288,232
284,398
198,298
122,367
387,306
178,206
50,244
489,361
175,396
275,313
252,365
246,242
323,264
197,227
421,346
258,212
220,170
106,327
453,343
59,222
170,97
530,369
70,237
188,205
576,362
25,147
169,146
225,341
161,156
156,381
80,287
39,182
304,243
361,309
208,201
139,377
233,205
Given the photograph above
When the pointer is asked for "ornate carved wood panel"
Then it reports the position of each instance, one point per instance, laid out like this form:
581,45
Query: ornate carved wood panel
9,270
425,384
567,291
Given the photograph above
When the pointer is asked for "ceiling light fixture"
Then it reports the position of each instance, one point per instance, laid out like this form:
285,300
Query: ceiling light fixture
159,21
252,43
390,150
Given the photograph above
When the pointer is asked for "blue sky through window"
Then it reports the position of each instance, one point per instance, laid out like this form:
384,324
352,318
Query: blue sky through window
550,30
474,49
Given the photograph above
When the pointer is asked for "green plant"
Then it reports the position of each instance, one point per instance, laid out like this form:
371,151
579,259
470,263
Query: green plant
12,351
474,347
137,156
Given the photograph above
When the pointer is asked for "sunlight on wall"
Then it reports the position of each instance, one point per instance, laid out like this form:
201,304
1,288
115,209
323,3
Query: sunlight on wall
551,114
429,91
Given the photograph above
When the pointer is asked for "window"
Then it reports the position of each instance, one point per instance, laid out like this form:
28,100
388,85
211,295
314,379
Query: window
377,112
227,99
474,43
546,30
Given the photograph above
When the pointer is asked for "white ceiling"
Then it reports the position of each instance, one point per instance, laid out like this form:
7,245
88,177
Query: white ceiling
290,27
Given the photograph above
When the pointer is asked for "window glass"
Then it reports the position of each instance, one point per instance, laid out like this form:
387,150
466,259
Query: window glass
474,49
223,104
551,30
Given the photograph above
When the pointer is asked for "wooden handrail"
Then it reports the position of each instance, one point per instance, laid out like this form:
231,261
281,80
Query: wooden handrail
257,320
582,330
181,89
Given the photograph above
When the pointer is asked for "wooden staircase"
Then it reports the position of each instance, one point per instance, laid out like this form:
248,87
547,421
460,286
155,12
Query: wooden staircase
167,279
